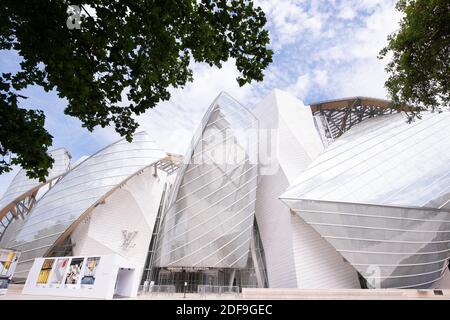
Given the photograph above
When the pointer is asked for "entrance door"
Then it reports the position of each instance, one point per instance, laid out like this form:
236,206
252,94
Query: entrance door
124,283
210,278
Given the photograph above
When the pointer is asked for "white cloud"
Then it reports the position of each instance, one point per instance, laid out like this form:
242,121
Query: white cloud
301,86
364,74
337,57
321,77
289,19
347,13
172,123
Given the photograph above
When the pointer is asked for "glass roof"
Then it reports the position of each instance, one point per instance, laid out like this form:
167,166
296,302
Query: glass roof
383,161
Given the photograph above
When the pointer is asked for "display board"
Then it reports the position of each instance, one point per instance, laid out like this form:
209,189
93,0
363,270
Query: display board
91,276
89,271
73,275
67,272
8,262
59,271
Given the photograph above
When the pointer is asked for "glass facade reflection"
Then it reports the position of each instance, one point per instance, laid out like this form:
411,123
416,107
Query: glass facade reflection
380,195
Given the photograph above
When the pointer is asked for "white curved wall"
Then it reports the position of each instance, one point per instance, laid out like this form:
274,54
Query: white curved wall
133,207
317,264
296,256
275,229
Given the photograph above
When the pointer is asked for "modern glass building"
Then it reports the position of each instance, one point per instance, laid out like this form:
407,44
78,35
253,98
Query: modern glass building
339,194
48,226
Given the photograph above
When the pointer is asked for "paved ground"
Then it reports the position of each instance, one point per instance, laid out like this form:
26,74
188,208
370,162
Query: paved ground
15,293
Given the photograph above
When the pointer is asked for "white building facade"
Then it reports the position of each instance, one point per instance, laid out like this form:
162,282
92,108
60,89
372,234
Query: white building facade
343,194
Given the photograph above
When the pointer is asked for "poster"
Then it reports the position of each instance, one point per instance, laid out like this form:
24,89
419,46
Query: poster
90,270
8,262
73,274
59,270
45,271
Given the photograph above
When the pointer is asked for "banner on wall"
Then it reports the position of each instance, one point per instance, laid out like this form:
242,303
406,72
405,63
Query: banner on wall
59,270
74,272
44,274
90,270
8,262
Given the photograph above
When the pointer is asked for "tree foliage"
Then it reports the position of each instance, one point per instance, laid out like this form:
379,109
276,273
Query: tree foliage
122,61
419,73
19,126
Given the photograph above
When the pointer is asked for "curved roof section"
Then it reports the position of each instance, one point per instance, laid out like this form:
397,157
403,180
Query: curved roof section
383,161
83,187
22,185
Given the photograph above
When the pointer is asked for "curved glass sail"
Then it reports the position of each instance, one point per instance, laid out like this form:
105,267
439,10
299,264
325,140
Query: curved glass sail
380,195
210,220
79,190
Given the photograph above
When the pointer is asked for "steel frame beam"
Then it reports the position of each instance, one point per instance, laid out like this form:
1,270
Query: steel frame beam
338,116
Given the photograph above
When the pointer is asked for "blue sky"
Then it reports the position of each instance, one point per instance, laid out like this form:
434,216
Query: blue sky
324,49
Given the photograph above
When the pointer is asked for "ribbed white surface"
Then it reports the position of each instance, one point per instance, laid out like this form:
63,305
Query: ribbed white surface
445,281
384,161
378,194
408,248
210,222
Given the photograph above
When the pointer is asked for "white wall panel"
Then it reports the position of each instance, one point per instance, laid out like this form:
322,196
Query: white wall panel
318,265
275,229
133,208
445,281
296,255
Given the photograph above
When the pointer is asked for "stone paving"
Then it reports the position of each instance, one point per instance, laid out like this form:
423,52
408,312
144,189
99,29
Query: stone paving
15,293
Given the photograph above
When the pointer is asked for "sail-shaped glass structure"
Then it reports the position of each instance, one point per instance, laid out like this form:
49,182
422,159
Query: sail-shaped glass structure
209,223
380,194
78,192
